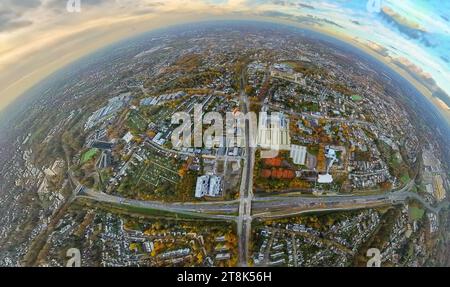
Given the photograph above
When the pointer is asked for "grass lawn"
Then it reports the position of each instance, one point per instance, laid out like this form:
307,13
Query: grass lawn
88,155
405,178
416,213
356,98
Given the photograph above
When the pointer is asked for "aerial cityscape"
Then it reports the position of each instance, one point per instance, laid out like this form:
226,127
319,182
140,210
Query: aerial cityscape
227,143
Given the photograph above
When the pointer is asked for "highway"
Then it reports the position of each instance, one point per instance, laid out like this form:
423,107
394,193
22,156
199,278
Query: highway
267,207
273,207
209,210
282,206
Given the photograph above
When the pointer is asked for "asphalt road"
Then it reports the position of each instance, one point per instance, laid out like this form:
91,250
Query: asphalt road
244,220
212,210
268,207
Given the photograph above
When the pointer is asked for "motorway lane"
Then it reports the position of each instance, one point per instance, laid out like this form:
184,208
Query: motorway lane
247,206
261,206
244,219
214,210
283,206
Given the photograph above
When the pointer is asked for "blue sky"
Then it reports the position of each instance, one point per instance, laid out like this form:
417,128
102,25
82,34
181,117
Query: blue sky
415,33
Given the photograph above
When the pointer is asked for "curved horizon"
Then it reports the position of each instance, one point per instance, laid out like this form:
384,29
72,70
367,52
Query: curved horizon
129,120
61,42
416,85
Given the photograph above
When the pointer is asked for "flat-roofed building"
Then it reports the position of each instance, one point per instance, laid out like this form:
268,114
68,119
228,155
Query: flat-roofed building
127,137
108,111
215,185
223,256
201,188
298,154
208,185
325,178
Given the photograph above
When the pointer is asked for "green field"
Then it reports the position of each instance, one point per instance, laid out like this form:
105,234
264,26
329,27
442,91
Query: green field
416,213
88,155
356,98
405,178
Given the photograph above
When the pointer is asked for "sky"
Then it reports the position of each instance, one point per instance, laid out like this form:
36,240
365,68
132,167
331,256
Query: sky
39,37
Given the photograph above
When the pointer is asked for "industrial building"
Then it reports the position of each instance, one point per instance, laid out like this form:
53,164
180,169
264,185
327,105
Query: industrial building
108,111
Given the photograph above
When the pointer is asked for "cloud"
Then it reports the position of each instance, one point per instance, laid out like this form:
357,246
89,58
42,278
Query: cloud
9,20
22,4
60,5
12,14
